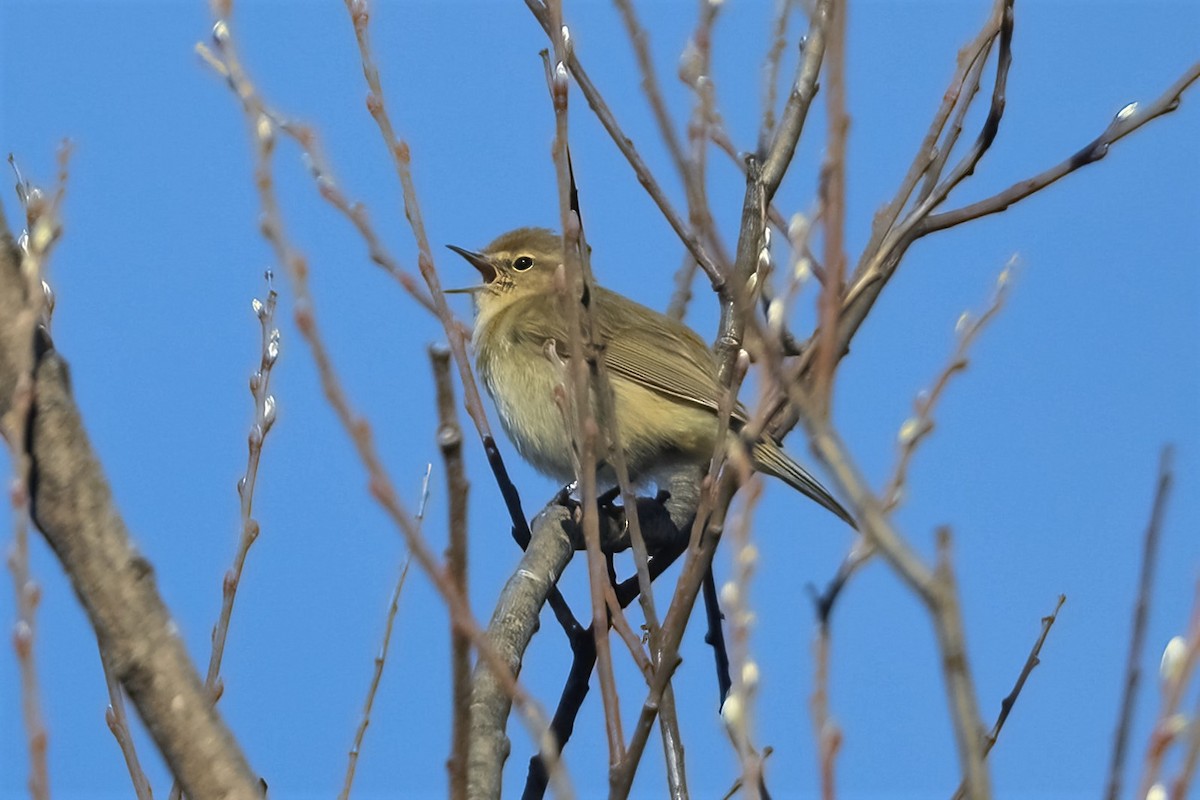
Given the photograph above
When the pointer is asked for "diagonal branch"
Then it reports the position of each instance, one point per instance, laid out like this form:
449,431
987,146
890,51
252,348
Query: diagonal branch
1126,121
74,509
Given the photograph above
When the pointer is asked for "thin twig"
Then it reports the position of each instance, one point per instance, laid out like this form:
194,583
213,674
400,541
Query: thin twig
1180,662
770,69
714,637
1010,700
650,83
381,656
1126,121
963,83
778,157
401,157
889,237
573,284
1141,615
588,377
916,428
695,69
326,183
828,734
833,206
376,675
689,238
708,523
355,212
936,589
264,419
118,724
738,710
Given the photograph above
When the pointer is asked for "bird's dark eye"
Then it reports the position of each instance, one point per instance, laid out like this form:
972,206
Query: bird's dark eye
523,263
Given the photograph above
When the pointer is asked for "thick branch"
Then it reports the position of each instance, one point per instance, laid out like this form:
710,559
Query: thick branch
73,507
555,536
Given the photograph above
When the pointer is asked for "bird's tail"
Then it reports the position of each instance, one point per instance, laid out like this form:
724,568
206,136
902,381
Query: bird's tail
771,459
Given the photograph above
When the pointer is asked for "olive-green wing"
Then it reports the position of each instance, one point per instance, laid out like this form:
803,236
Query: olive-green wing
654,351
640,345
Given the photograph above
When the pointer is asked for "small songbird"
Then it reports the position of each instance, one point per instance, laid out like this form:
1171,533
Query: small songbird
663,375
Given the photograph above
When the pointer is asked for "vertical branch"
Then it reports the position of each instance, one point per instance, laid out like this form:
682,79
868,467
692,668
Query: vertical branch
381,656
827,733
450,441
264,418
717,493
770,69
738,711
833,206
574,286
625,145
960,688
708,522
1141,613
778,157
377,673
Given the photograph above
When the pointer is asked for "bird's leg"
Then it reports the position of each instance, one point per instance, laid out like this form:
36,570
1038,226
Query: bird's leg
608,497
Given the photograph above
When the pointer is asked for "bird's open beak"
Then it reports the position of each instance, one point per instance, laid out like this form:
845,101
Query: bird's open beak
479,261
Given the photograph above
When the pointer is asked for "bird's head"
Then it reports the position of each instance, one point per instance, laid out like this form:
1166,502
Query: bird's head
518,264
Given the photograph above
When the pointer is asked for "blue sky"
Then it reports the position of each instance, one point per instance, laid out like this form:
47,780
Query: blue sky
1042,462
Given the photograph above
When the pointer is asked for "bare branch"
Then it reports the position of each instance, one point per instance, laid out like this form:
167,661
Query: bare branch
74,509
510,630
936,589
783,146
450,440
828,734
738,709
264,419
380,660
770,68
401,157
573,285
916,428
1141,614
625,145
650,84
1010,700
833,205
118,724
1126,121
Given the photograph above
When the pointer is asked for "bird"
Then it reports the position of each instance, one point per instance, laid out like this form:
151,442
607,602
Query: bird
663,375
